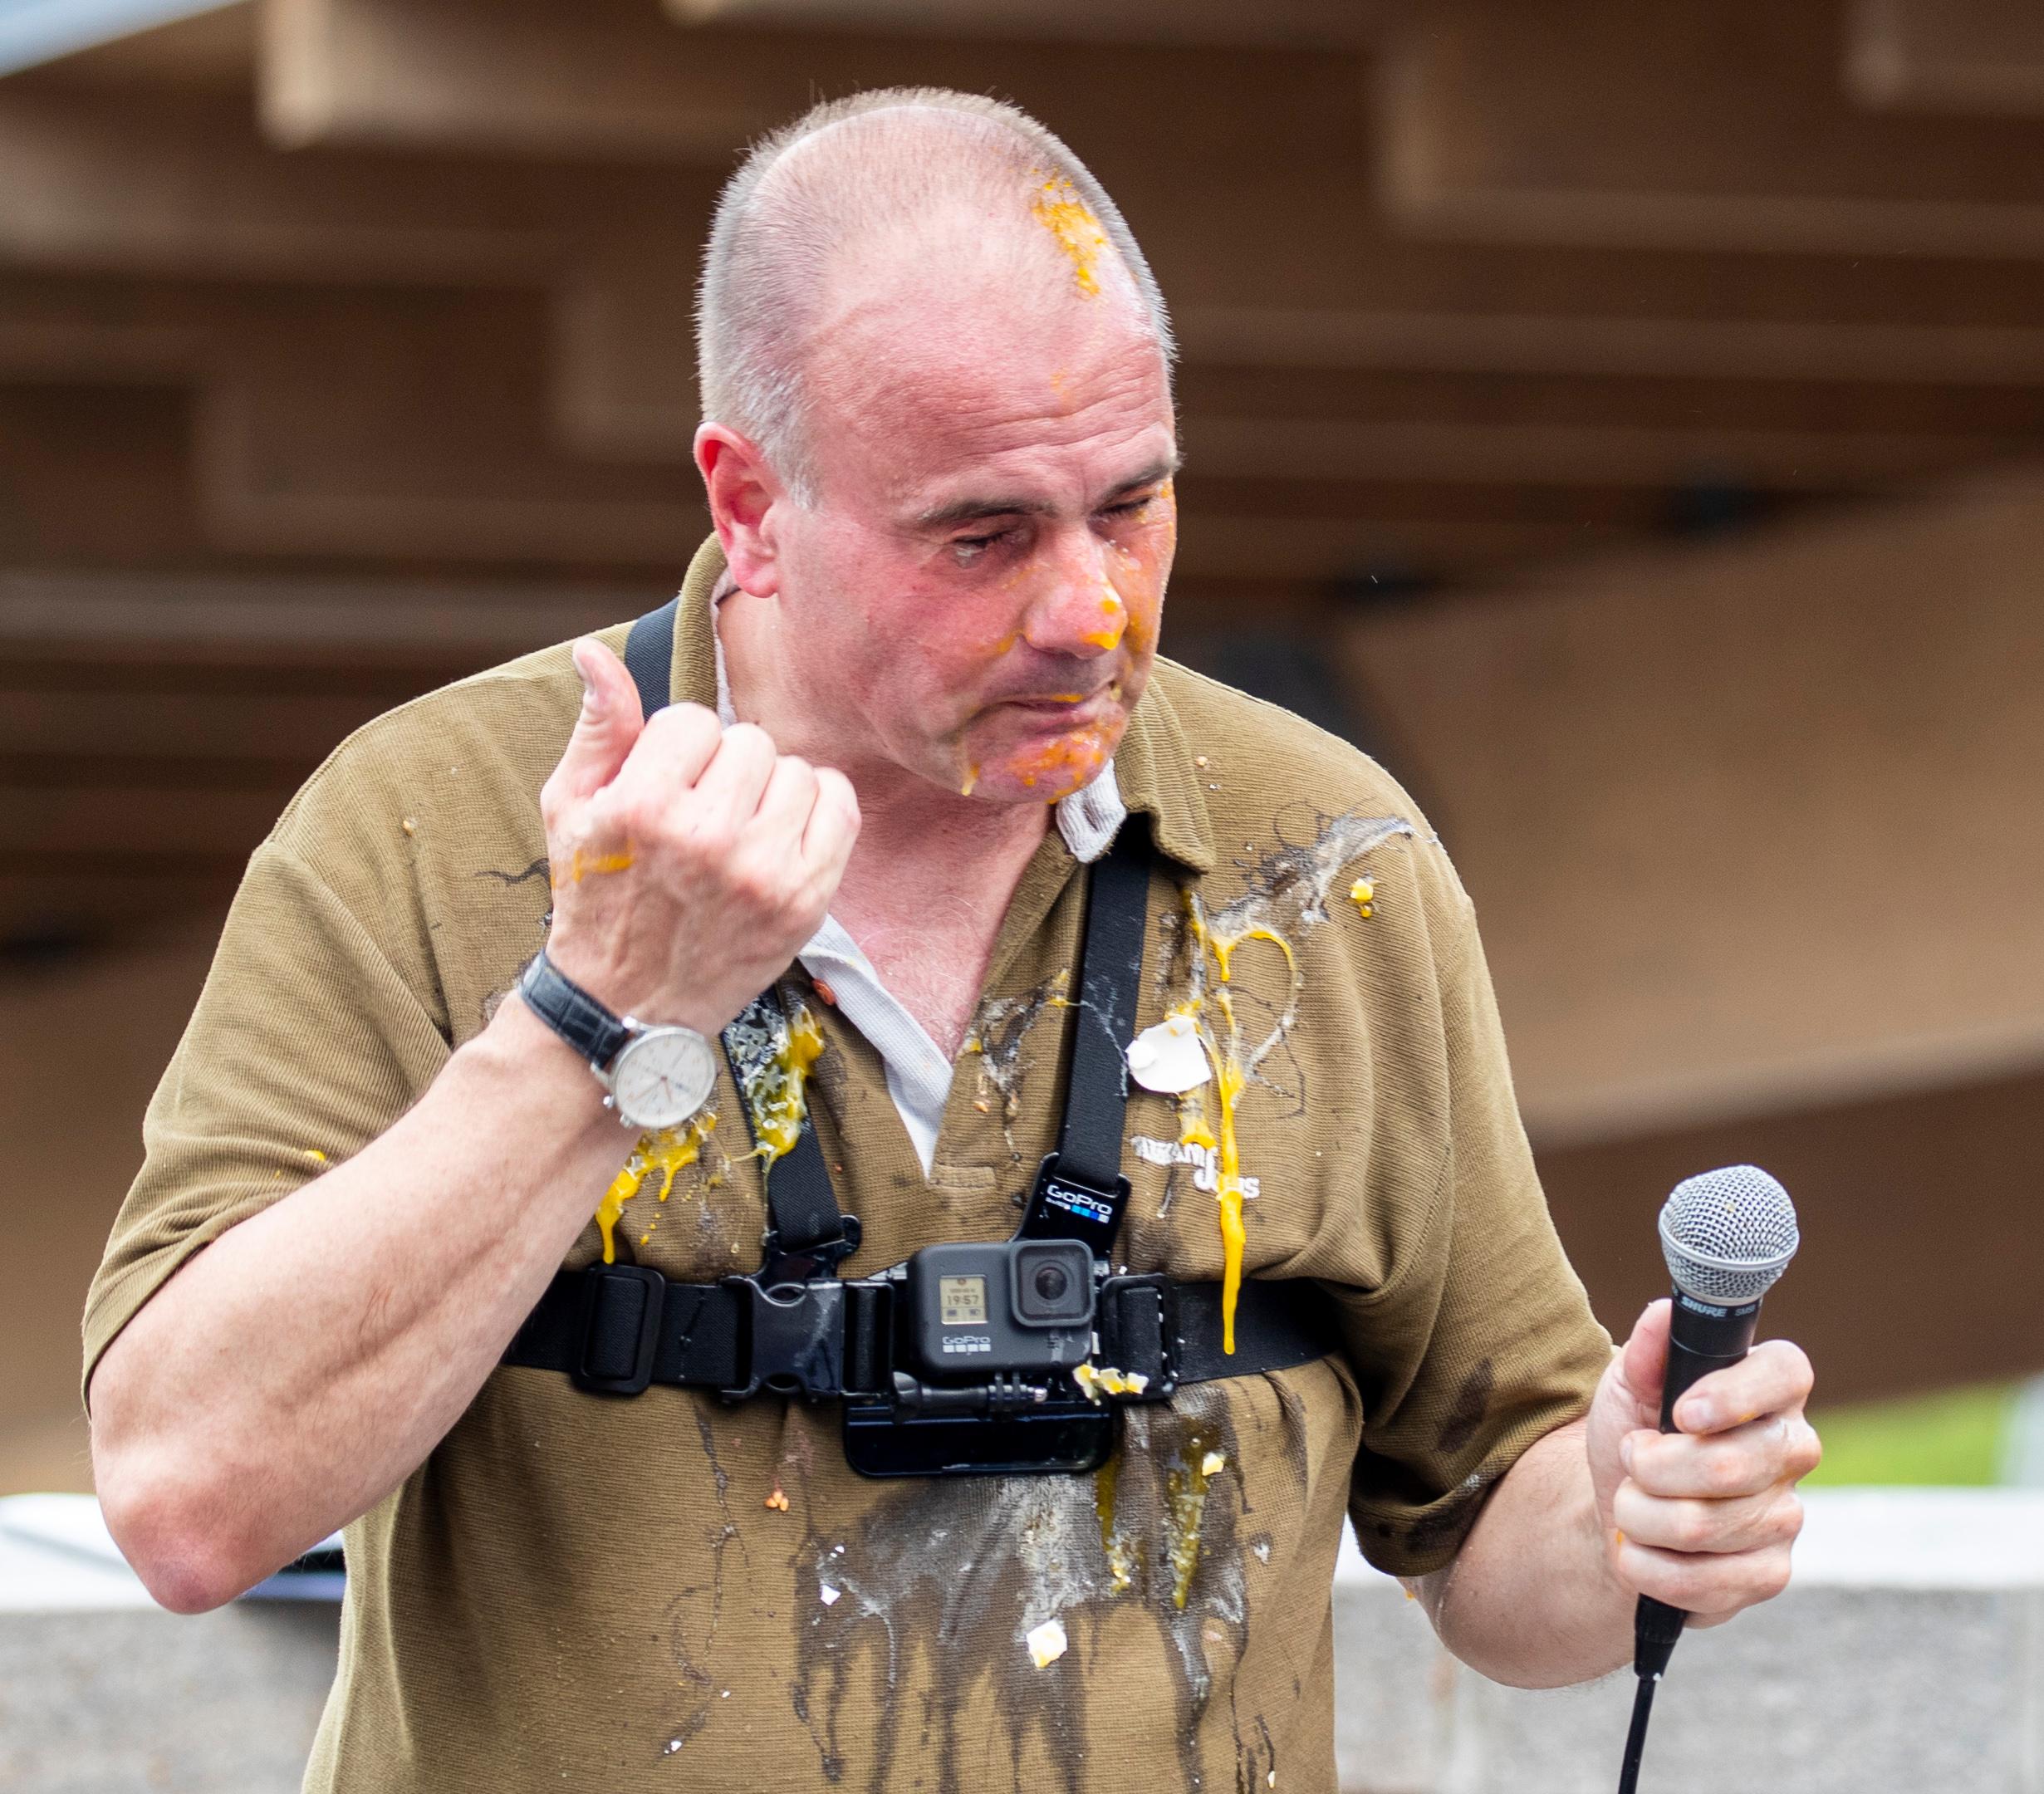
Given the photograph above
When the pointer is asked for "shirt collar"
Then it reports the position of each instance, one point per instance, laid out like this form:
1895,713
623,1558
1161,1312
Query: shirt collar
1152,771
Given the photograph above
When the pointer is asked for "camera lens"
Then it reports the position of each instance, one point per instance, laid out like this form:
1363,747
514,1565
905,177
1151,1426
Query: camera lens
1053,1285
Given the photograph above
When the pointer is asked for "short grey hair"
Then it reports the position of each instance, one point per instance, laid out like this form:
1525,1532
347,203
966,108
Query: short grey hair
779,223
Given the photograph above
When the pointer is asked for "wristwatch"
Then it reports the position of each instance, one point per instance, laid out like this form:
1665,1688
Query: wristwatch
655,1076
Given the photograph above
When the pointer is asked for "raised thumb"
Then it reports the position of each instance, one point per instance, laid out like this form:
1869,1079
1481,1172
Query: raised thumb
610,723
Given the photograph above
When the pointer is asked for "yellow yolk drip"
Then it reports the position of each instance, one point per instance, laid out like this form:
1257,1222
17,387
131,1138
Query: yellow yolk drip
582,866
1110,633
776,1093
1363,895
1185,1507
661,1152
1121,1559
1058,209
1062,766
972,778
1230,1077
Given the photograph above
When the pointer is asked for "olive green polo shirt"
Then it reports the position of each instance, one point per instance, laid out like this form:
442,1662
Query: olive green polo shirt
659,1593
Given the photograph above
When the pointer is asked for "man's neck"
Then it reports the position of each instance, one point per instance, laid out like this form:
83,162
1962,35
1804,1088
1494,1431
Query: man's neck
933,872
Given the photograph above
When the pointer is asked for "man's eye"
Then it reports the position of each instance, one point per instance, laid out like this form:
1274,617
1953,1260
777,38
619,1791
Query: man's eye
968,549
1131,506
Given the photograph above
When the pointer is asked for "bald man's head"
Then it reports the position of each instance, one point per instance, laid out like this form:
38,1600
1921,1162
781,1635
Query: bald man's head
895,225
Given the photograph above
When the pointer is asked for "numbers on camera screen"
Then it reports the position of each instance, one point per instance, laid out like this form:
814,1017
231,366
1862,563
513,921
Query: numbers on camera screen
962,1301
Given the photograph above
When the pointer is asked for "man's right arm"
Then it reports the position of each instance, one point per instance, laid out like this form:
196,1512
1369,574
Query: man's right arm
291,1374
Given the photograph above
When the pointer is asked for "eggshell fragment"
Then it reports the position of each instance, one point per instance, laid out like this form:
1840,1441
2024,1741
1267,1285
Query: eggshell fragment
1047,1642
1168,1057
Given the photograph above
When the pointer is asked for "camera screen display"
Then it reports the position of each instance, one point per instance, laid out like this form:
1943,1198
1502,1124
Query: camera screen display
962,1301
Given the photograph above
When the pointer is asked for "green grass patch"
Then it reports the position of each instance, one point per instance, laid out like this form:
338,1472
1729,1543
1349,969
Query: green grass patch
1953,1438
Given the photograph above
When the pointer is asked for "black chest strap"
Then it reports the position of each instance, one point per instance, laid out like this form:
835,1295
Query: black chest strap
615,1330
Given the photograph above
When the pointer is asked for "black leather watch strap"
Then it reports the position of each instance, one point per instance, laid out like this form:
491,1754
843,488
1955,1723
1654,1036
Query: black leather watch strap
571,1013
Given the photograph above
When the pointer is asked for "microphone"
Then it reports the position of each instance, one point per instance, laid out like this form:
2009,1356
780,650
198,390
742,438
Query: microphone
1726,1235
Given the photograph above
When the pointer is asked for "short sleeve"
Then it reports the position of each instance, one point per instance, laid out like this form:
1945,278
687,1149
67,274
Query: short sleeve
306,1044
1483,1341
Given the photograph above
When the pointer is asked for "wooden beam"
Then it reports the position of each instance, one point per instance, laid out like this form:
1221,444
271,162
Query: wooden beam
1328,24
1954,56
206,730
1700,125
416,430
95,474
610,79
1740,822
423,630
185,186
1655,458
142,829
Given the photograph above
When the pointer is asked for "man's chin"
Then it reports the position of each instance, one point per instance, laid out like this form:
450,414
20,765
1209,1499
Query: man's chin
1043,767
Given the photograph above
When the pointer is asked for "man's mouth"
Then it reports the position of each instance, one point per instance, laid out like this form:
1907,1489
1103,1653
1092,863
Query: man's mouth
1060,704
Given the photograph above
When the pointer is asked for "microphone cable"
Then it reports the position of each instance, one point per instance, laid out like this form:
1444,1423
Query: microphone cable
1635,1738
1656,1628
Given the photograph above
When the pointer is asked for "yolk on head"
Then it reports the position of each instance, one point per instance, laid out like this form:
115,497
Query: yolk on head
1058,209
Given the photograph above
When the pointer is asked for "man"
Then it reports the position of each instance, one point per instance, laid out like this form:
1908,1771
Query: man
915,691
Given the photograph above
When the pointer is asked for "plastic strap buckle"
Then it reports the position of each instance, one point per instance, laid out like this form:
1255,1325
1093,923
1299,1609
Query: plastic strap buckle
1139,1332
781,1264
793,1338
621,1306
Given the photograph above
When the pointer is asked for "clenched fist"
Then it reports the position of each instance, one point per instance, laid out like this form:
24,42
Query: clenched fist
1702,1518
690,862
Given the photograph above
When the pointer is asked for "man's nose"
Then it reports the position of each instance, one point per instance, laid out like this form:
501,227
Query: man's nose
1076,610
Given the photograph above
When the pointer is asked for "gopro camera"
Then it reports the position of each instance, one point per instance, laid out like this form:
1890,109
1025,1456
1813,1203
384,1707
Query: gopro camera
1020,1306
985,1336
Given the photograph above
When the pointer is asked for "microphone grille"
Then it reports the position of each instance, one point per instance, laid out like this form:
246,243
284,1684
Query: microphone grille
1728,1234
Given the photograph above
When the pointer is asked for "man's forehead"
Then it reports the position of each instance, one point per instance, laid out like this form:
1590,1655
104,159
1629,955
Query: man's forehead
956,407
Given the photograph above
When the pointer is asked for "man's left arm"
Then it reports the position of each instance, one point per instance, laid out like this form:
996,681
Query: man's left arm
1608,1508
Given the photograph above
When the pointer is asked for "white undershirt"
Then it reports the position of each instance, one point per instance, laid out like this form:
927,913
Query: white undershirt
918,1075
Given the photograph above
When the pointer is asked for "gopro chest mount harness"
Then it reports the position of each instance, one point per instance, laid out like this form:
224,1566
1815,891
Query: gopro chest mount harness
959,1360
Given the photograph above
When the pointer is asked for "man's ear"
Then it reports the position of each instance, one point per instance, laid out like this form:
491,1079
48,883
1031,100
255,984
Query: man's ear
745,493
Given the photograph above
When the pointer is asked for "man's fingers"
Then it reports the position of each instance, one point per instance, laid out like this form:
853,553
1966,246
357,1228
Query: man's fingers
1645,1368
833,825
731,786
1745,1522
1744,1461
610,723
676,745
1773,1378
1705,1584
784,806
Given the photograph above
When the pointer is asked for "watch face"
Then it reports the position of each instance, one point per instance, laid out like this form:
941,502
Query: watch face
662,1076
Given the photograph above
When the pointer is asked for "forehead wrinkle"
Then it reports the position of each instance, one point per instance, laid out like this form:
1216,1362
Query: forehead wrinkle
969,509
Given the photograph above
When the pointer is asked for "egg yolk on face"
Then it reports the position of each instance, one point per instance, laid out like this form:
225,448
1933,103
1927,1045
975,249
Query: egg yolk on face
1089,622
